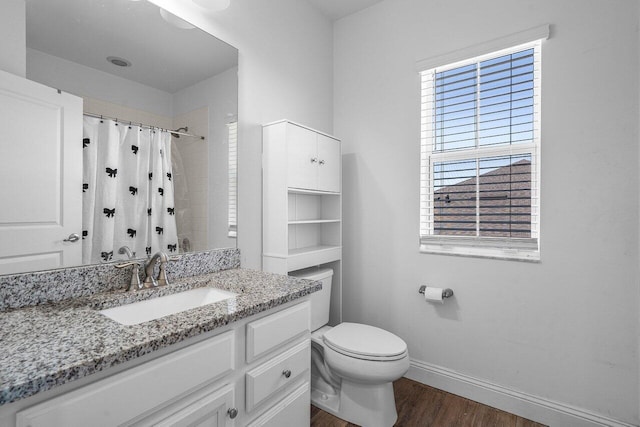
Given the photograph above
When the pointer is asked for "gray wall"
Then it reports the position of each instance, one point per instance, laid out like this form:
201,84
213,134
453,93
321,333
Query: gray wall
13,37
564,330
285,72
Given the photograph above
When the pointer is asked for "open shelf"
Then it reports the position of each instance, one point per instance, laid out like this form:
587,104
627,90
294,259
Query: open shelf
310,256
311,207
306,191
314,221
313,234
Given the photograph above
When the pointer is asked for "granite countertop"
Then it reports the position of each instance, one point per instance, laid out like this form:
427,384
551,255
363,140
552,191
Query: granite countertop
44,346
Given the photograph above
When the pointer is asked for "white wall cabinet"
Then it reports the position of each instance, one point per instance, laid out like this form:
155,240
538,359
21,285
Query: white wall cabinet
302,203
215,382
313,159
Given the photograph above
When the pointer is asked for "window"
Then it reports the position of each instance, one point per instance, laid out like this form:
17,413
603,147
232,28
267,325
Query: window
480,155
232,136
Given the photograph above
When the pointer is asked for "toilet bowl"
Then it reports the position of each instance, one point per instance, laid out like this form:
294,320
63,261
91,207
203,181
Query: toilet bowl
353,365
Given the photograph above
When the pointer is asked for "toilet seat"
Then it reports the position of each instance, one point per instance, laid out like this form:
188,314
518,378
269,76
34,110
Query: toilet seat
365,342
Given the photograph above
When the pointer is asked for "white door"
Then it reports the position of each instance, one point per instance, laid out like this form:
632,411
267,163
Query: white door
302,158
329,164
40,176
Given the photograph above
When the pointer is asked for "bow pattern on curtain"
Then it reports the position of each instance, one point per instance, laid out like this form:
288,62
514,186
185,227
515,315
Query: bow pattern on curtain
128,197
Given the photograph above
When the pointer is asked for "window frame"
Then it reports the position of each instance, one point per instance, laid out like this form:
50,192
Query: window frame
525,249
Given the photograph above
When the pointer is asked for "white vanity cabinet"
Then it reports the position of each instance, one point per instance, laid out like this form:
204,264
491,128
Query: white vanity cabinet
255,372
277,384
122,398
302,203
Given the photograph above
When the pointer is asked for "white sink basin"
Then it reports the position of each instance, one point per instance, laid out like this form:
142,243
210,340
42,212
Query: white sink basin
143,311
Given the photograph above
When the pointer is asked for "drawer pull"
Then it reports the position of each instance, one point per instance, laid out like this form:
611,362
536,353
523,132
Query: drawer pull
233,412
286,373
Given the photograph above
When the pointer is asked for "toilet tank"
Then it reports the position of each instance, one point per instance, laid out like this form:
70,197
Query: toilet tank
321,299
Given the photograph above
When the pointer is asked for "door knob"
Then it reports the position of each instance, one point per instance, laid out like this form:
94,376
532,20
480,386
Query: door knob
233,412
73,237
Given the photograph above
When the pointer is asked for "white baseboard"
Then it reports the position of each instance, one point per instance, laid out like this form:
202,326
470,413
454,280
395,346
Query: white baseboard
548,412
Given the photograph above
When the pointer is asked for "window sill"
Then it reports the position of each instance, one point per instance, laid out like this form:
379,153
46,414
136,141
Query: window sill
481,249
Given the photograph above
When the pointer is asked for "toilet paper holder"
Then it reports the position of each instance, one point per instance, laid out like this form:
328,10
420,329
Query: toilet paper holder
446,293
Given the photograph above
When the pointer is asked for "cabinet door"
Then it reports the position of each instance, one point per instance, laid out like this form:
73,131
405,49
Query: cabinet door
134,393
302,158
210,411
329,160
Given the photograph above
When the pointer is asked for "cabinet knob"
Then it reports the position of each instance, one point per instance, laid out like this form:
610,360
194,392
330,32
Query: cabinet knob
314,160
233,412
286,373
321,162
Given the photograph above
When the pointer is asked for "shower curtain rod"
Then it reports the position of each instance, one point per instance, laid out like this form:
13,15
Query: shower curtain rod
129,122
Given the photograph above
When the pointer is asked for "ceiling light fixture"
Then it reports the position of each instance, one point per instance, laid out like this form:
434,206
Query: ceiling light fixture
213,5
120,62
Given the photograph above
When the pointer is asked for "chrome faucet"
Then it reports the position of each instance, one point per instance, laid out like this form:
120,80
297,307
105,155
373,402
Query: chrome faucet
125,250
149,280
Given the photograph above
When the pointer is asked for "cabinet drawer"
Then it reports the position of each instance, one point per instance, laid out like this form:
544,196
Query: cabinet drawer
122,397
276,374
294,410
272,331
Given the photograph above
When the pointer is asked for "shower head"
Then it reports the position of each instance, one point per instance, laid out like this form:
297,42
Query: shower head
175,135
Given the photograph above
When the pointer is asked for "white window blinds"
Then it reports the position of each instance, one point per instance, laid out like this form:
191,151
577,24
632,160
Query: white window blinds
232,136
480,139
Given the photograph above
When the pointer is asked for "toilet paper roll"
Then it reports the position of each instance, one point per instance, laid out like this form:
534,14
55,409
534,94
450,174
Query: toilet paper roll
433,295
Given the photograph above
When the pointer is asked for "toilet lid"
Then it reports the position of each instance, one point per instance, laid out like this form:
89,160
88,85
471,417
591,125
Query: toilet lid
365,342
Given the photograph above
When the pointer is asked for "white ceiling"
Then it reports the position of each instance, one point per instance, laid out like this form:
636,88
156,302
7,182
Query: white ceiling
336,9
163,56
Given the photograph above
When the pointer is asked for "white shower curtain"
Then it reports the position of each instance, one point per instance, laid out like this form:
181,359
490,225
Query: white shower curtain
127,191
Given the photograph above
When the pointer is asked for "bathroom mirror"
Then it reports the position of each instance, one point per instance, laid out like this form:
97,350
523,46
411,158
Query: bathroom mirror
131,61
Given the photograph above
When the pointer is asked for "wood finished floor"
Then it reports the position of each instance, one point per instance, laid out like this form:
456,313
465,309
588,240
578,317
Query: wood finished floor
419,405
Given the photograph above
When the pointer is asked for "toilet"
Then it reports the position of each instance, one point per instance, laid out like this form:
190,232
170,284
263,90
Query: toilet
353,365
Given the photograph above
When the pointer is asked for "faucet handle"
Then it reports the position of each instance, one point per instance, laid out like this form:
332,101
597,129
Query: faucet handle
162,274
127,264
135,274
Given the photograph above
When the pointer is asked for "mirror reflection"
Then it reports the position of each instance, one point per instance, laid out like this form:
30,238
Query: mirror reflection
159,129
